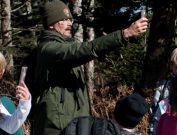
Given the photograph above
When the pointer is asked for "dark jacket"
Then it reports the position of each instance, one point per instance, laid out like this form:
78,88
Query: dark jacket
61,80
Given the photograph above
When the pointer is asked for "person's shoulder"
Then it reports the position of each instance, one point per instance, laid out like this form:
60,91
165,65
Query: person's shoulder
162,84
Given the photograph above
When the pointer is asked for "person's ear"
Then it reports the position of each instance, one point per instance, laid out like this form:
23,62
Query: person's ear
2,72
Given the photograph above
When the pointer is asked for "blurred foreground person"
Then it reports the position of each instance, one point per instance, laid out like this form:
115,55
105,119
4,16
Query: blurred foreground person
128,113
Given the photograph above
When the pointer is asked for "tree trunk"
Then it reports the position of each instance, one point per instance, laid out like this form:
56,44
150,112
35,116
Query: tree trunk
6,23
7,35
89,67
77,10
79,36
160,43
29,9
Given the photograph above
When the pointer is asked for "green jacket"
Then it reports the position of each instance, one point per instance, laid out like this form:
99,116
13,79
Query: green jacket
61,79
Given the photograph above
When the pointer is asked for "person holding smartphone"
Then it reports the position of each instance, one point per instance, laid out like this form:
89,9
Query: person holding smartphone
60,82
11,121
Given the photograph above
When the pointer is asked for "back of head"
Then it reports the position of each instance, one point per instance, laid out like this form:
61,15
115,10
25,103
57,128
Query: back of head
130,110
53,11
3,62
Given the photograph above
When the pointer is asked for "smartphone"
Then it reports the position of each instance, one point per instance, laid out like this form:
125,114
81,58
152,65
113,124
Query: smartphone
143,11
23,73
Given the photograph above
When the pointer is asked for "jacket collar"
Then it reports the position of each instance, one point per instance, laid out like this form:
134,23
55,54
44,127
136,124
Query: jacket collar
49,34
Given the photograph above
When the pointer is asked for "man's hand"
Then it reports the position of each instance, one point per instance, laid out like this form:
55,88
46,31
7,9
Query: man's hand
136,28
22,91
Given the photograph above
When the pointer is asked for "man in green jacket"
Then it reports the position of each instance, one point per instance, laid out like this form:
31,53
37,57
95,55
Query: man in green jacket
61,80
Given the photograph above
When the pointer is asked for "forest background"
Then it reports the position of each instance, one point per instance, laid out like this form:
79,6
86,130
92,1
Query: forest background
134,67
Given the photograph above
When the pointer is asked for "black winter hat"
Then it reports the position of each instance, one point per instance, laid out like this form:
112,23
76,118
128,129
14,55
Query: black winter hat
53,11
130,110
